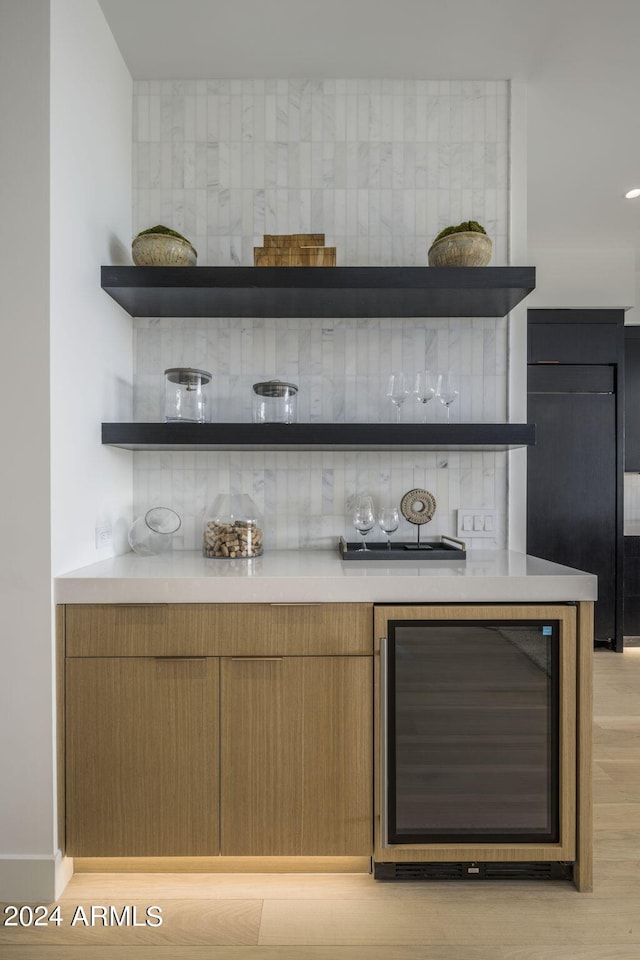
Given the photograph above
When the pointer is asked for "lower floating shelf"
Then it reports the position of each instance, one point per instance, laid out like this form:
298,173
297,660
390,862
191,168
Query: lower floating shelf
318,436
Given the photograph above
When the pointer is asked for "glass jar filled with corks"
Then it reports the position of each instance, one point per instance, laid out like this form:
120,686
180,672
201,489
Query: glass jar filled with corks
232,528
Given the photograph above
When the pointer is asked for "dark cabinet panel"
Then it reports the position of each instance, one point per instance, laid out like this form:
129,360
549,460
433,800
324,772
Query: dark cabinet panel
574,336
632,586
575,470
632,399
576,378
572,489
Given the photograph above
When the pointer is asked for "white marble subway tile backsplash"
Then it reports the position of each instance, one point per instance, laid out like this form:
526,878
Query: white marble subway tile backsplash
360,160
341,366
307,497
379,166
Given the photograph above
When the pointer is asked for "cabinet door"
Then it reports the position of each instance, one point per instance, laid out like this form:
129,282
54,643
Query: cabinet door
296,756
632,399
573,479
142,757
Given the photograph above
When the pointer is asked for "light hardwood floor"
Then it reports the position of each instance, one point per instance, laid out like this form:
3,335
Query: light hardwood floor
351,917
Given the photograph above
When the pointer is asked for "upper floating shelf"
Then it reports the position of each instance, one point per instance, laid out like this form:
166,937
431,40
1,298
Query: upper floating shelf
318,291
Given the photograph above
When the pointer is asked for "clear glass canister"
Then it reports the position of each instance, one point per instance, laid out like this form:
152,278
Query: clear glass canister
185,395
275,402
232,528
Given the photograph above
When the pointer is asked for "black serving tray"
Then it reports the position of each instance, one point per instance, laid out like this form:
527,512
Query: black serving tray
443,548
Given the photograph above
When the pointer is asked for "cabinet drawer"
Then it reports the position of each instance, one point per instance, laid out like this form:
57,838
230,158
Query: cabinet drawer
293,629
218,629
575,336
570,378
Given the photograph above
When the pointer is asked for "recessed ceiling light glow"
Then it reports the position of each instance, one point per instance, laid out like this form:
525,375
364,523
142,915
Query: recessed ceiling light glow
632,194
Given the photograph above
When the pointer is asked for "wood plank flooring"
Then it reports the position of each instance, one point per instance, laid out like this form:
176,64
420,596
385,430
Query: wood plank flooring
351,917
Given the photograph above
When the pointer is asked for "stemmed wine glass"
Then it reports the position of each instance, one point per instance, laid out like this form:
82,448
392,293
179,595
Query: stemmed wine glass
364,519
388,521
424,388
446,391
398,391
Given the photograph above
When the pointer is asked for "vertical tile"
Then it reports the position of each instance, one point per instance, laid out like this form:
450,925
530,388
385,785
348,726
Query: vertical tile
380,166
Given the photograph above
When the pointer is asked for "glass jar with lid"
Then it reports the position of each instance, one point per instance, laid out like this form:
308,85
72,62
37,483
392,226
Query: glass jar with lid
185,395
275,402
232,528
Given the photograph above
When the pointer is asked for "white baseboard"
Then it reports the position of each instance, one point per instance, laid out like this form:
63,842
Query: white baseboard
33,878
64,872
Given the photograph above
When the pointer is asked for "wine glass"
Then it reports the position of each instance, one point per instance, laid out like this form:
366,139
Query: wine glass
398,391
424,388
388,521
446,391
364,519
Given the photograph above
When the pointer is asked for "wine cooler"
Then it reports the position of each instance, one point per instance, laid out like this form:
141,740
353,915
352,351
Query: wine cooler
476,739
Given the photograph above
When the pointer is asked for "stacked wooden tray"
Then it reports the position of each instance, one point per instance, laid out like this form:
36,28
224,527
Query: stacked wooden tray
294,250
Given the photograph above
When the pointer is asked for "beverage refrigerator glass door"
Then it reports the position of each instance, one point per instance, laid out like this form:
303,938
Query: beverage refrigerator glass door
471,732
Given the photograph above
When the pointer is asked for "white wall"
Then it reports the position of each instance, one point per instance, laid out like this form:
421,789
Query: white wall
58,65
27,836
632,316
91,104
583,278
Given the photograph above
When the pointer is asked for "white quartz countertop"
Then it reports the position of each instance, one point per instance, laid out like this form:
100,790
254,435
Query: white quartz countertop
322,576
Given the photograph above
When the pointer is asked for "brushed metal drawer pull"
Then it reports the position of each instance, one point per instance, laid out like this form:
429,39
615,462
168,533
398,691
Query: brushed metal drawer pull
180,659
301,604
120,606
267,659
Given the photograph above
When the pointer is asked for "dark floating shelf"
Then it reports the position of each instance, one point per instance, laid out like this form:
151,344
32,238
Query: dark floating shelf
318,436
318,291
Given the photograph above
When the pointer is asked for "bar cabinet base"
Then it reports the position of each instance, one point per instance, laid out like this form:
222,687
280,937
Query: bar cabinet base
456,686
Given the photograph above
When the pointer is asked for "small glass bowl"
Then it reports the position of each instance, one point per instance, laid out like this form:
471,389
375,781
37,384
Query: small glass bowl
151,534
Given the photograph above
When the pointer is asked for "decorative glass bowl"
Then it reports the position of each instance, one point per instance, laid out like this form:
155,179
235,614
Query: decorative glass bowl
151,534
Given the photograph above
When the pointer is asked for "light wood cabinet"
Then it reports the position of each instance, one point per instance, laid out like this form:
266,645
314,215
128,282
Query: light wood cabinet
296,756
218,629
199,729
142,757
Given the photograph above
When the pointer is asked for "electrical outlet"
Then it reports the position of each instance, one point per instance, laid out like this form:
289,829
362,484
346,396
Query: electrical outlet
476,522
104,536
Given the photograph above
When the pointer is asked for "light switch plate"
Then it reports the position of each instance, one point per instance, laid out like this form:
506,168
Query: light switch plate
476,522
